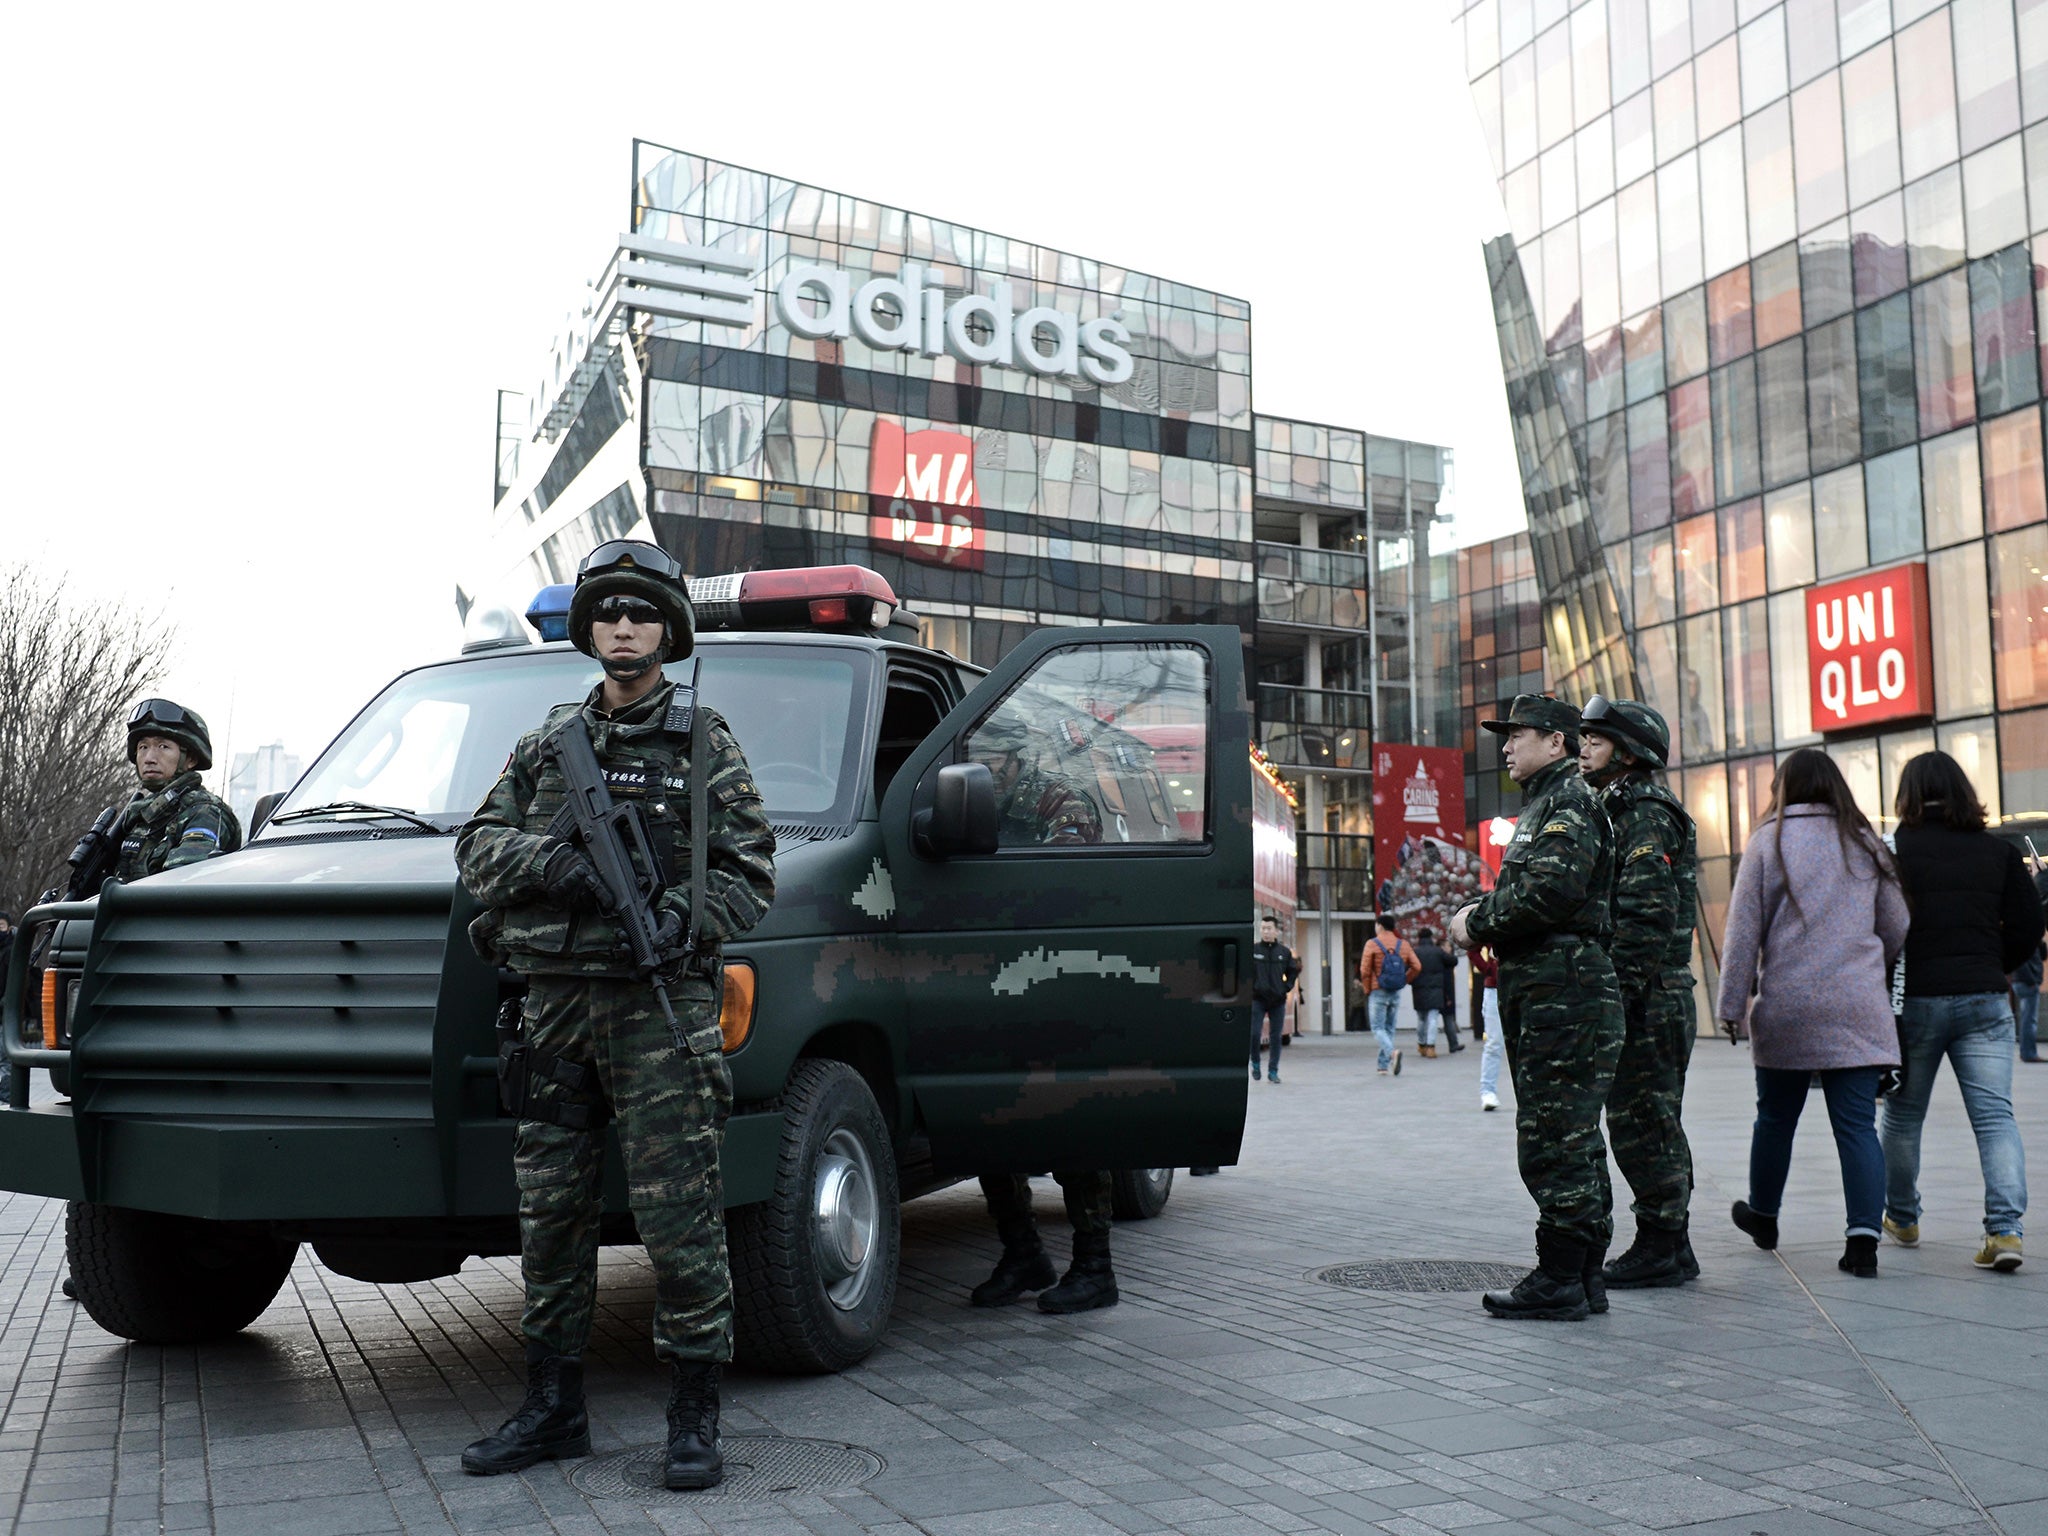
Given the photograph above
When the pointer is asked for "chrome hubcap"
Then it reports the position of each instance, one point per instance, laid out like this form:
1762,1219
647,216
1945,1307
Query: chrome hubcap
844,1217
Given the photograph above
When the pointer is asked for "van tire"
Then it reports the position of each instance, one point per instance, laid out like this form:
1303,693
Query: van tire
1139,1194
814,1265
160,1279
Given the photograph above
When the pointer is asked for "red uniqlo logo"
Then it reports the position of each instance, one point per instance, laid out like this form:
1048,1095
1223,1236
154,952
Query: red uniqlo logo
922,497
1869,657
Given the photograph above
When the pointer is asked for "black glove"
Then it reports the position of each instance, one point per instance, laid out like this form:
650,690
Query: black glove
569,881
669,940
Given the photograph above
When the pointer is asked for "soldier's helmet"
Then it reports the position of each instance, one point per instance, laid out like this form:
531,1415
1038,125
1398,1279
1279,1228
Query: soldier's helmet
1632,726
634,568
160,717
998,734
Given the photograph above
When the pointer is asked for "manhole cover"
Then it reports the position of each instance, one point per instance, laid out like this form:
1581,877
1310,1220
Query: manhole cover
757,1467
1422,1275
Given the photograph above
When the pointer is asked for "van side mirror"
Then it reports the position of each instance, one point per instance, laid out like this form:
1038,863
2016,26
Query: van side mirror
264,806
962,818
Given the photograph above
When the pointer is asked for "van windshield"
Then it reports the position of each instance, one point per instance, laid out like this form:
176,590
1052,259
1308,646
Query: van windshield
434,741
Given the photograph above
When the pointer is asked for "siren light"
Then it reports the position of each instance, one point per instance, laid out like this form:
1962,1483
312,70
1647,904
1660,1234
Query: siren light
548,613
849,597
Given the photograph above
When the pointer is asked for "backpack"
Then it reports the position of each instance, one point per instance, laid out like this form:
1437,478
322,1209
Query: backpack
1392,978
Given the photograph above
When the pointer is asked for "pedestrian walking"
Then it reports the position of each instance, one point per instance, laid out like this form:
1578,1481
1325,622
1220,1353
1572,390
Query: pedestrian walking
1976,917
1816,919
1656,877
1024,1266
1486,976
2026,1001
1429,993
1385,967
1560,1010
1274,972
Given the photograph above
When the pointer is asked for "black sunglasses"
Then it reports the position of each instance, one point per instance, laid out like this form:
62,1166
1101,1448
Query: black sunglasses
610,610
160,712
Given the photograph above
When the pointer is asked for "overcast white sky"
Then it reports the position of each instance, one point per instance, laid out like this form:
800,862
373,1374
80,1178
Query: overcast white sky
268,266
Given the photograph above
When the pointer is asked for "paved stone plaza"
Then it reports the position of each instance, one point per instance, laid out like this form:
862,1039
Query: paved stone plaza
1231,1392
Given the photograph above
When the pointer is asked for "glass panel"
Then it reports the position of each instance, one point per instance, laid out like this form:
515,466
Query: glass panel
1927,97
1634,145
1653,579
1692,449
1809,39
1941,353
1824,273
1884,374
1636,229
1858,762
1878,245
1987,71
1072,738
1891,486
1974,746
1649,466
1870,124
1774,291
1628,24
1643,349
2019,626
2002,323
1730,324
1607,476
1839,531
1722,190
1962,639
1831,412
1657,662
1950,488
1589,62
2011,448
1670,34
1788,537
2023,754
1781,393
1698,585
1598,261
1742,550
1518,107
1685,335
1603,372
1559,188
1934,223
1894,751
1767,152
1791,694
1553,86
2033,19
1749,795
1717,88
1737,468
1678,210
1749,677
1763,61
1863,23
1995,197
1706,800
1671,106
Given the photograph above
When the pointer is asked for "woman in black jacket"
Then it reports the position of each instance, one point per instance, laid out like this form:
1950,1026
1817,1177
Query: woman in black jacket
1975,919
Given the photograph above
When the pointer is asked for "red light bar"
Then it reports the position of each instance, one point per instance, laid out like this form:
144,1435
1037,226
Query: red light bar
811,597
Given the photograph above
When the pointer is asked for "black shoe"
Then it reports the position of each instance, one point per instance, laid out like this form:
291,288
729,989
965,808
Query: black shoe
694,1460
1651,1262
1456,1048
1089,1282
1762,1230
69,1288
1193,1173
1688,1266
550,1424
1554,1291
1594,1279
1397,1063
1017,1273
1860,1257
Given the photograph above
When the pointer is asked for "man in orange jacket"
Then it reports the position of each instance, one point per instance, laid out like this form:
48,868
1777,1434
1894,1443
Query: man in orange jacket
1385,967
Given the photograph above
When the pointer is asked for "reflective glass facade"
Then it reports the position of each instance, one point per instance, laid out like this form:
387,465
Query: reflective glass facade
1768,318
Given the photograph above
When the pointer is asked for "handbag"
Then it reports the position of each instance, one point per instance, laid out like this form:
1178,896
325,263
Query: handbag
1891,1081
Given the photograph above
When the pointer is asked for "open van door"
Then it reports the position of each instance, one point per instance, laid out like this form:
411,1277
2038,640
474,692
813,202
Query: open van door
1074,907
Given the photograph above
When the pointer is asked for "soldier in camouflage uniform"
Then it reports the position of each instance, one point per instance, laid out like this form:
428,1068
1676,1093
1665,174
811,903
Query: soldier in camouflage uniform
173,818
1034,809
1560,1010
598,1047
1656,879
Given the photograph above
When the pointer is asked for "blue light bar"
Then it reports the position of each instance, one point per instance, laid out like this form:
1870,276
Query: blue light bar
549,611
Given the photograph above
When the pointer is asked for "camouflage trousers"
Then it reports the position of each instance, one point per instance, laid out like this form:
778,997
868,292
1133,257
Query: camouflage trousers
1560,1018
670,1108
1643,1106
1009,1204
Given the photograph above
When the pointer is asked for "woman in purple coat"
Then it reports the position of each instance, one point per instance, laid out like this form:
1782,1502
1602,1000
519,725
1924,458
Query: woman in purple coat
1816,920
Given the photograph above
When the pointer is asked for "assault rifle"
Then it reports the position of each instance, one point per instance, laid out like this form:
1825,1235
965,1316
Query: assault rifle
92,860
614,838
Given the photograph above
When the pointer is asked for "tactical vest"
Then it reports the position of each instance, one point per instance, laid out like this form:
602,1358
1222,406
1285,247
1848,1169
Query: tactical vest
1593,918
152,825
1628,804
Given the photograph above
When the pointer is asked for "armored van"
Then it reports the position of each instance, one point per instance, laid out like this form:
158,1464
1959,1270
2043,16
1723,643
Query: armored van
293,1044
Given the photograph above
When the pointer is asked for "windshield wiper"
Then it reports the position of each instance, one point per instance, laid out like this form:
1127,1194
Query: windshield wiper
333,807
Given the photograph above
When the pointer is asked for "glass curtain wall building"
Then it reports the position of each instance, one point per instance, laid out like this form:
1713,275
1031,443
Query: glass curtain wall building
1768,313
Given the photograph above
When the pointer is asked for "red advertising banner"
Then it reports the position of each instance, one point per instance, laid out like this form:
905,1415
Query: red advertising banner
1422,870
923,502
1869,652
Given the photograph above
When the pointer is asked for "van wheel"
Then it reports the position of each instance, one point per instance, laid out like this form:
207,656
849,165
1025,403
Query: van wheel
161,1279
814,1265
1139,1194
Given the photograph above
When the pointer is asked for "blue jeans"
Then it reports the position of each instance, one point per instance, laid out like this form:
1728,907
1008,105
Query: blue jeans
1975,1033
1261,1012
1496,1046
1852,1110
2030,1014
1425,1025
1380,1007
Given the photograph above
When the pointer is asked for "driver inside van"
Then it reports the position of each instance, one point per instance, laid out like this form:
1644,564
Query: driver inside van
1032,806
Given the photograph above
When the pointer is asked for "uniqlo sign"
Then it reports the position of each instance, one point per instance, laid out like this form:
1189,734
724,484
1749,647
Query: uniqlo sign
1869,656
922,498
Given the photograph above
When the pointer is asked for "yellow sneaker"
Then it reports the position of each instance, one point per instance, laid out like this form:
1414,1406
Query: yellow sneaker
2001,1251
1905,1237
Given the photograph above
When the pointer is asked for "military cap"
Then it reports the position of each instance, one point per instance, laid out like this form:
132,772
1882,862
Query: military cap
1539,711
1632,726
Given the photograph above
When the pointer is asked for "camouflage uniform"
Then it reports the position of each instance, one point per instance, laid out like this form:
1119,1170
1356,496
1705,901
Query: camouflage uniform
1655,897
1043,809
1009,1204
181,823
585,1006
1560,1011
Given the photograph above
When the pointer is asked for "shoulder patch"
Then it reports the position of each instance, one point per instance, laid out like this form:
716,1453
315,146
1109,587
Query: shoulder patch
1645,851
1556,826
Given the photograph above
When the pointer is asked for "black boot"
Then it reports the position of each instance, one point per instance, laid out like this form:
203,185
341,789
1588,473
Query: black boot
694,1459
1651,1262
1554,1290
551,1422
69,1288
1860,1257
1688,1266
1089,1281
1018,1271
1762,1230
1594,1279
